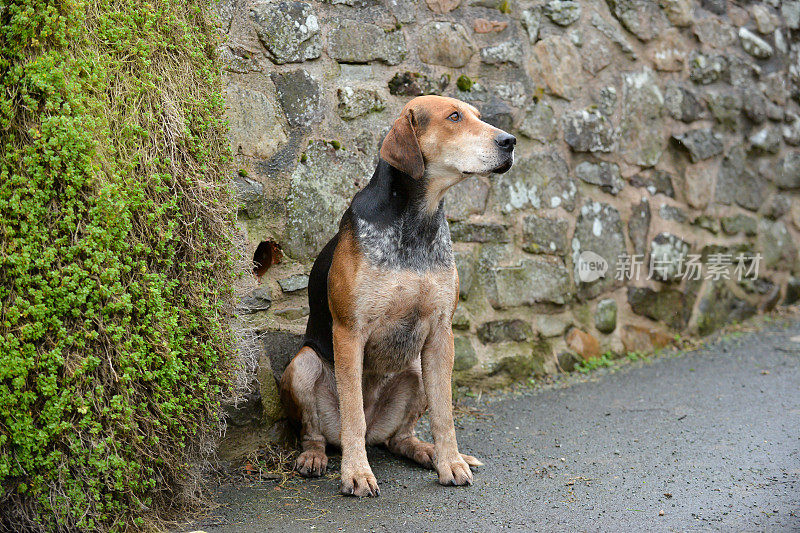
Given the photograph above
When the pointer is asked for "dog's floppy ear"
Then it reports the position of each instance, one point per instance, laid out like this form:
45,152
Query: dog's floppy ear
401,148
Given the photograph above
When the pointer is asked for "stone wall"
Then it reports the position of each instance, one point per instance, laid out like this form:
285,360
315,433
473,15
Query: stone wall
657,128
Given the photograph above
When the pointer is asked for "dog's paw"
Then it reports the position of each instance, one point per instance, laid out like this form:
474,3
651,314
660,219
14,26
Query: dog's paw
454,472
359,482
471,461
311,463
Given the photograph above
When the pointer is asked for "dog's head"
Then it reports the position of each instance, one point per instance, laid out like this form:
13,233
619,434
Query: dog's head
444,138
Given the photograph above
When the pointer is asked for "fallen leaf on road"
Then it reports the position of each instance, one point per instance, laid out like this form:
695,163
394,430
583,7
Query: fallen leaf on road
764,372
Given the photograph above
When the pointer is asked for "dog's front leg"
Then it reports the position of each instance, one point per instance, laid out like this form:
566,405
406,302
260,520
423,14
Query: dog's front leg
437,370
348,353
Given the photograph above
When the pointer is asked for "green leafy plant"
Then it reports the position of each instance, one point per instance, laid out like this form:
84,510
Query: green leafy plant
590,365
115,259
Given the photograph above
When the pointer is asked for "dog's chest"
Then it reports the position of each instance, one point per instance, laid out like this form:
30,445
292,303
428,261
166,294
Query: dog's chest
398,309
406,243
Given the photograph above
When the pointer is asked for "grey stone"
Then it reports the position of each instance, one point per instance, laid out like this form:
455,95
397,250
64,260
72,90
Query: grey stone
641,137
537,279
790,11
720,307
417,84
245,412
679,12
639,225
300,96
754,105
754,45
602,173
321,188
531,20
249,197
670,51
656,182
667,305
237,59
668,253
356,101
605,316
681,103
461,319
725,106
670,212
281,346
787,175
588,130
515,330
775,87
718,7
466,198
740,72
542,235
706,69
777,206
465,356
700,143
607,100
739,224
737,183
259,299
598,230
614,35
445,43
776,244
353,41
556,60
563,12
791,130
253,125
776,112
551,326
766,140
596,53
497,113
518,362
539,181
465,264
293,283
292,313
713,32
640,17
478,232
765,21
222,12
568,360
505,52
707,223
288,30
539,122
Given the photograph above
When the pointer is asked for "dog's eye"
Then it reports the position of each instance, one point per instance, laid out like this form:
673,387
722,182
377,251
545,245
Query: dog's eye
455,116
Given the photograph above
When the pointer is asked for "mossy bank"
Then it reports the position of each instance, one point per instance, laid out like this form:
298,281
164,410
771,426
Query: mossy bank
115,257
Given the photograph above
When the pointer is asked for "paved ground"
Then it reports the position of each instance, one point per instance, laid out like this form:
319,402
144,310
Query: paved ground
712,438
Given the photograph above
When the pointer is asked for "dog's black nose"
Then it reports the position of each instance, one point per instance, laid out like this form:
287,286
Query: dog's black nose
506,141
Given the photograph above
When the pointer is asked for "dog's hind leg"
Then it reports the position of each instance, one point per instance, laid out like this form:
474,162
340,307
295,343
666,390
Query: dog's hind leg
308,391
405,403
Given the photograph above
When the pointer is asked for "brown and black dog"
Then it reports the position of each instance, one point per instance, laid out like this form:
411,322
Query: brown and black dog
378,348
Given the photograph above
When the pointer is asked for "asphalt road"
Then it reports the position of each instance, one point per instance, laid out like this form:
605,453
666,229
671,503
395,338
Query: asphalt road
711,438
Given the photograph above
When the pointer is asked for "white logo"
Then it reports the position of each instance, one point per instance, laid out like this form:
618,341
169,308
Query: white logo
590,267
